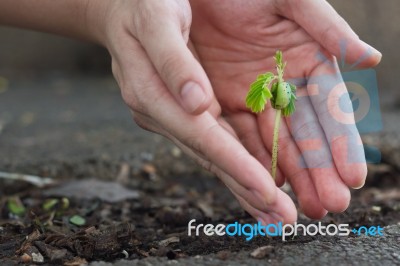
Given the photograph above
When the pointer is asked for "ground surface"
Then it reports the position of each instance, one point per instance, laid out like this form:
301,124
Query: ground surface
79,129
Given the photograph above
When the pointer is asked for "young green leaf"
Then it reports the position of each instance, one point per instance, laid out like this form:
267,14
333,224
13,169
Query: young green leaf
259,93
280,65
278,58
77,220
291,108
15,206
50,204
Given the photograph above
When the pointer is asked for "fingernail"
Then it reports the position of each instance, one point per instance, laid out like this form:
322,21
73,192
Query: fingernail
374,50
192,96
261,220
359,186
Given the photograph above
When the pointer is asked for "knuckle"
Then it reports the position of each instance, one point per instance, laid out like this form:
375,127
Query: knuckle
142,122
328,103
151,14
115,70
139,121
141,93
201,142
246,197
326,35
242,203
299,173
307,130
320,162
143,22
131,100
169,65
285,141
197,146
128,93
260,154
207,165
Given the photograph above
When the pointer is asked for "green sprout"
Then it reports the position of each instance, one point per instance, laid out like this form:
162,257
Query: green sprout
15,206
282,95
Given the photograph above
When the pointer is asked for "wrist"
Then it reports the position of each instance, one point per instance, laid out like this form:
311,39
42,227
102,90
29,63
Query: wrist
97,16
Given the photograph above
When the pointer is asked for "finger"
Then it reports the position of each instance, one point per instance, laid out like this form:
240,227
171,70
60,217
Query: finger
252,197
246,127
289,159
163,38
335,113
286,214
282,209
225,152
310,138
326,26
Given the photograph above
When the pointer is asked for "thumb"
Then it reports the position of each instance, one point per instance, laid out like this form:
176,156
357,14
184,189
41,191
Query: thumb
166,47
328,28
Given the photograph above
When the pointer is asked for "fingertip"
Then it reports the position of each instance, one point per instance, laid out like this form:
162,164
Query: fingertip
289,210
279,182
358,176
336,202
283,210
311,206
351,167
315,213
376,58
290,218
368,56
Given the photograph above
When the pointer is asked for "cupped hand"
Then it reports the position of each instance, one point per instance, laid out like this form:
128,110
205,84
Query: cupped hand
320,153
169,93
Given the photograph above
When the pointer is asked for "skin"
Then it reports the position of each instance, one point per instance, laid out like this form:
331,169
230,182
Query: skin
242,45
187,80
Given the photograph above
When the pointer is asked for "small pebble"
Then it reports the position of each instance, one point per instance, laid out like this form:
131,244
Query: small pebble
223,254
37,257
176,152
261,252
168,241
25,258
376,208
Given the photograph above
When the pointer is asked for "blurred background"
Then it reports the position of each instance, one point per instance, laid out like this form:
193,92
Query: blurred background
376,22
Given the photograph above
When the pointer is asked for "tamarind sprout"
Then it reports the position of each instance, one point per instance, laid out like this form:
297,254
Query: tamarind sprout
281,95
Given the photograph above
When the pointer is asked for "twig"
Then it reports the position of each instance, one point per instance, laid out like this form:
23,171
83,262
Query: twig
34,180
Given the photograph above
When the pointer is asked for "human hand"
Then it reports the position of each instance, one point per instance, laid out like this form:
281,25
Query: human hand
157,74
236,41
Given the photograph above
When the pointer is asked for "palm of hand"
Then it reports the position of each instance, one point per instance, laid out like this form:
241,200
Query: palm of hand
236,41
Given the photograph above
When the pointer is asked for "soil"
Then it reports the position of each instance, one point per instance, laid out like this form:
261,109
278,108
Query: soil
78,132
